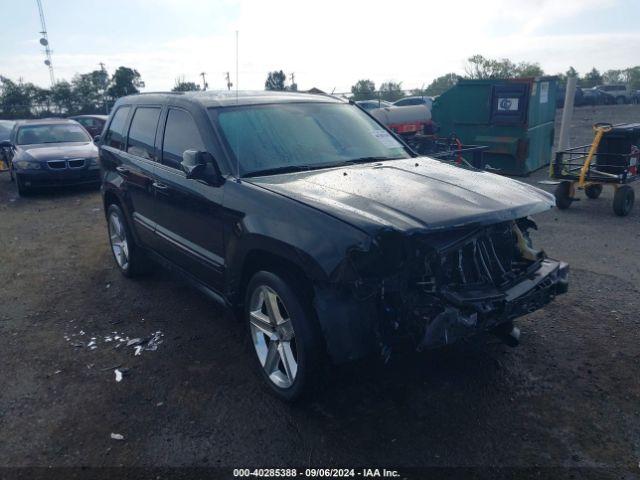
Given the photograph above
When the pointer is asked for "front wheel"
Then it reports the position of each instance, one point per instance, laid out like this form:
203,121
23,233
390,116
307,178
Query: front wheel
283,336
23,190
563,195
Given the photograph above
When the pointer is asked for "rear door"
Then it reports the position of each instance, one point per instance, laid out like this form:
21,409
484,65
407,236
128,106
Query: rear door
133,155
189,220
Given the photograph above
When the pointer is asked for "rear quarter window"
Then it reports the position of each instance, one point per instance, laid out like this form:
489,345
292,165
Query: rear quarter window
115,135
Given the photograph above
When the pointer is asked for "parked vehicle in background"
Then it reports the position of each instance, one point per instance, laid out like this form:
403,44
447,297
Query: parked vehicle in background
595,96
332,237
577,98
93,123
5,133
371,104
620,93
417,100
5,129
51,152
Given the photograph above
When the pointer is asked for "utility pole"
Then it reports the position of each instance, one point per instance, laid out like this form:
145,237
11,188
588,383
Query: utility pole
228,79
44,41
106,84
204,80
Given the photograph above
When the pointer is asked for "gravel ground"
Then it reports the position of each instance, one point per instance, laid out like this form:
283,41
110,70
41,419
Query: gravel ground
568,396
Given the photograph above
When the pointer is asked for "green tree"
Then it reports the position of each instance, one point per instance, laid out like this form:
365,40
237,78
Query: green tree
391,91
613,76
633,77
275,81
479,67
15,98
591,79
125,81
183,86
442,84
62,96
363,90
526,69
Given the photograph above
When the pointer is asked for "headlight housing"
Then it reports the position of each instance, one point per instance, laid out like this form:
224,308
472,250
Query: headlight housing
27,165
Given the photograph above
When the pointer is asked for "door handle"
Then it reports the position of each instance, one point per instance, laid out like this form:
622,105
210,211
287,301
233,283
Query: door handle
123,170
160,186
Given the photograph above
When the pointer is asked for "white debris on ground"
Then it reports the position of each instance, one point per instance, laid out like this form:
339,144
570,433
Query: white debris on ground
118,375
117,340
117,436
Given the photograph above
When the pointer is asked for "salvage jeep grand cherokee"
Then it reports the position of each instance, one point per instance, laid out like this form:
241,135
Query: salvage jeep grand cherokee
333,238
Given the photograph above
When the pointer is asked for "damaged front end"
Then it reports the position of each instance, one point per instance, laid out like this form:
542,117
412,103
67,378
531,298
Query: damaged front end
433,289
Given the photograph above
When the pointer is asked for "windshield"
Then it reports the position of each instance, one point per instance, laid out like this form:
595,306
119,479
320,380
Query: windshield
300,136
56,133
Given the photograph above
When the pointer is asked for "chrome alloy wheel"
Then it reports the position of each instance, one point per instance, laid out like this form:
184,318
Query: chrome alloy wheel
118,239
273,336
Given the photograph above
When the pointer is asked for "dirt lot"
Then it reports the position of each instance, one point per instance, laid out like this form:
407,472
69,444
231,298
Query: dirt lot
569,396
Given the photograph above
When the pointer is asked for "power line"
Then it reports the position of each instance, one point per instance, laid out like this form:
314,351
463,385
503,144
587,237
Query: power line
44,41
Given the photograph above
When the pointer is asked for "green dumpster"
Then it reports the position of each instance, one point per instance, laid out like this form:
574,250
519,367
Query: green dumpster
514,118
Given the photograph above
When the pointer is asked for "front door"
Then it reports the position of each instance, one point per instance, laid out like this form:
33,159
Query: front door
188,211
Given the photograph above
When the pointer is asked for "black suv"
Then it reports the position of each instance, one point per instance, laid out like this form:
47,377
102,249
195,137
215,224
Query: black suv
332,237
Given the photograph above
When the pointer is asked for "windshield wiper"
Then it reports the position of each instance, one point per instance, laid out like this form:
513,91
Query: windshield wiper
370,159
276,170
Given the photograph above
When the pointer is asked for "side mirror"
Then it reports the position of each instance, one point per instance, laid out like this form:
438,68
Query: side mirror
200,166
6,144
96,139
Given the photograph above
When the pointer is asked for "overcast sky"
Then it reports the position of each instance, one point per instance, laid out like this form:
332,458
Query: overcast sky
328,44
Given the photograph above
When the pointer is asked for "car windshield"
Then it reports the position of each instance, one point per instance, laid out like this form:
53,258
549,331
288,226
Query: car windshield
302,136
54,133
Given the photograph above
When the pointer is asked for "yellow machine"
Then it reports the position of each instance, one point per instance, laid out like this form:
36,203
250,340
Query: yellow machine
612,159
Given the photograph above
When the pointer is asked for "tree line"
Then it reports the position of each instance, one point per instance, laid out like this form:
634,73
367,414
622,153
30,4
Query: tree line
86,93
479,67
96,91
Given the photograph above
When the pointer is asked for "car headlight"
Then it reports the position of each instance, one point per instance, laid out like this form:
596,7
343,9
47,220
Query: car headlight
94,162
27,165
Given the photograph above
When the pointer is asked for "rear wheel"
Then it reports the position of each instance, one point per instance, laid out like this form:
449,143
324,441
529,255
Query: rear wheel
283,336
593,191
563,195
623,200
130,259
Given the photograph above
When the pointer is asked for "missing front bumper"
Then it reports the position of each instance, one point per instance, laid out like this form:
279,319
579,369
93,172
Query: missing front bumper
473,312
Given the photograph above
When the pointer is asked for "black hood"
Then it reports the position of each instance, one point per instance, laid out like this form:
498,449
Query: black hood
412,194
58,151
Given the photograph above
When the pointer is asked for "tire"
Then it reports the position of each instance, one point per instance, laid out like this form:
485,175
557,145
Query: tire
23,190
129,258
593,191
623,200
285,344
563,195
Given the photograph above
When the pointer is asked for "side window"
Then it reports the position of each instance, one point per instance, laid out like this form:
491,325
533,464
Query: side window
180,134
142,133
114,137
